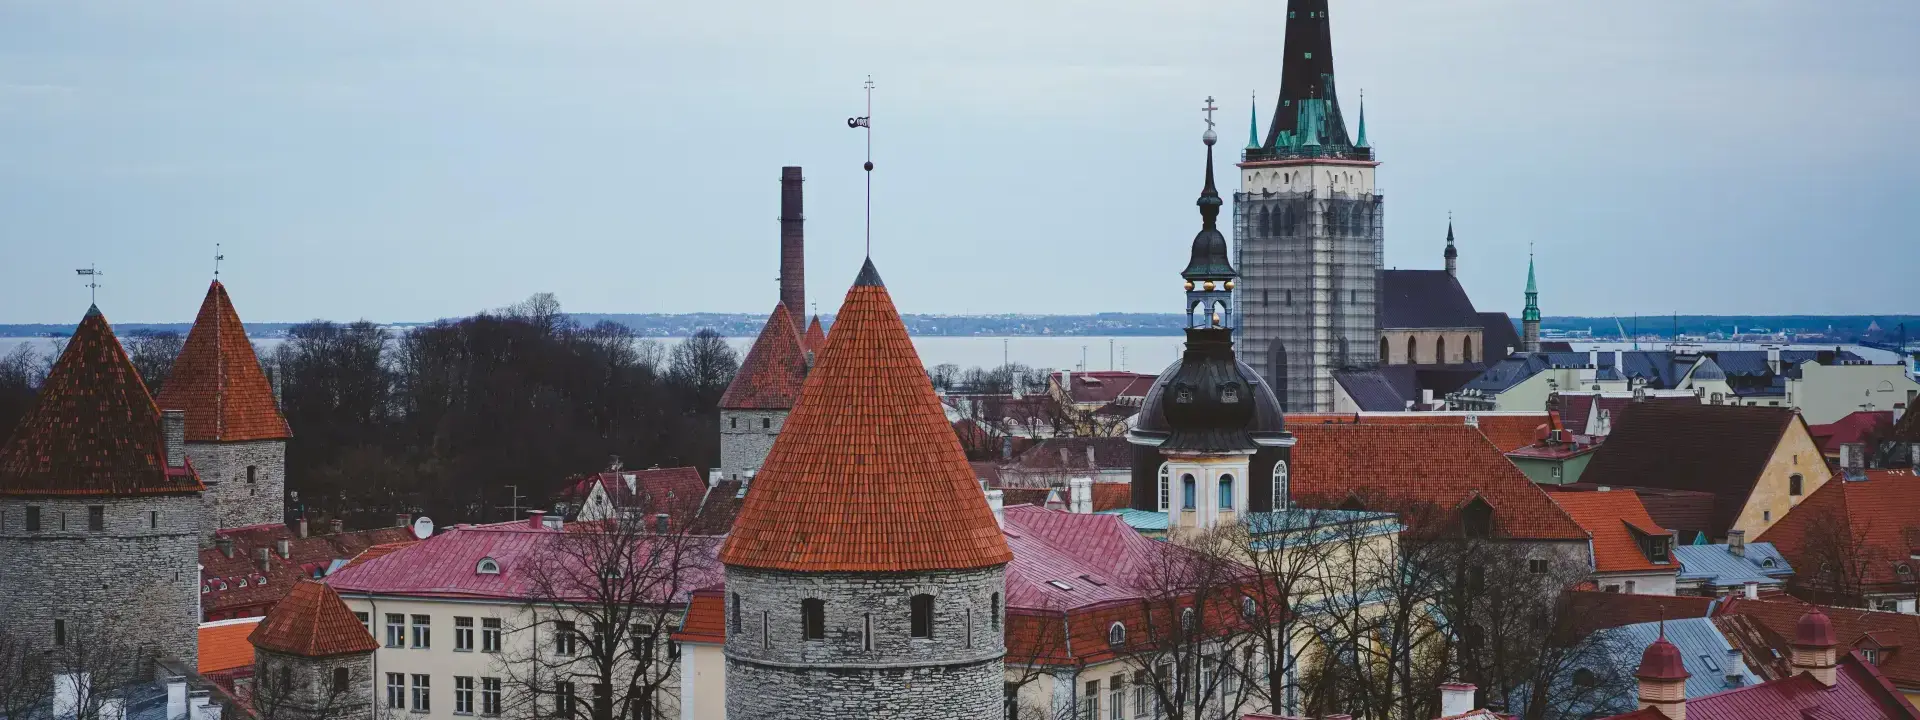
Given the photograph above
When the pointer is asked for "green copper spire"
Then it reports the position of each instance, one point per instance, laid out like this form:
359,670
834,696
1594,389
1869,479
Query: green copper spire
1363,120
1532,312
1309,120
1253,123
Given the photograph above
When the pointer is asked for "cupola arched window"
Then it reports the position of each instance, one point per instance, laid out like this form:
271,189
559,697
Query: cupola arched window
1166,487
1226,492
1281,499
1189,490
921,608
1183,393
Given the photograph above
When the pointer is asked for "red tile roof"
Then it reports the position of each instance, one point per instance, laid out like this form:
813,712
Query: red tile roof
93,429
706,618
312,622
1444,466
675,490
1687,512
224,646
774,370
1507,431
1111,496
237,587
218,380
1896,635
1860,426
867,475
1617,521
1105,386
446,565
1069,454
816,338
1721,449
1881,516
1858,692
1595,610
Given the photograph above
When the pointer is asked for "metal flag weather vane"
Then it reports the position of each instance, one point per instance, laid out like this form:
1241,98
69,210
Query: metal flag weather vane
93,283
217,257
866,121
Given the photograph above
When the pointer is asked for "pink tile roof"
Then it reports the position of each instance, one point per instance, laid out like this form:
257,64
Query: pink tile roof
444,566
1859,692
1860,426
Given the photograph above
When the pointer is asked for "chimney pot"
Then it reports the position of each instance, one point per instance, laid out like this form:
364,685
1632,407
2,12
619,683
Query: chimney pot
300,527
1456,698
1753,591
284,547
262,558
402,519
536,519
176,697
173,423
225,544
1737,542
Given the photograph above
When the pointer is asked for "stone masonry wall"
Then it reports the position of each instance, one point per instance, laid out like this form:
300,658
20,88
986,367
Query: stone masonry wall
138,579
745,438
312,696
231,501
779,674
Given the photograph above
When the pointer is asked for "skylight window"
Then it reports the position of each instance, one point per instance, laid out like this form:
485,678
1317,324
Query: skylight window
1060,585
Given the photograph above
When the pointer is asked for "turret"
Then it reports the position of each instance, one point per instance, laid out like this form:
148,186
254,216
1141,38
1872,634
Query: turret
1814,646
1663,678
1452,255
1529,317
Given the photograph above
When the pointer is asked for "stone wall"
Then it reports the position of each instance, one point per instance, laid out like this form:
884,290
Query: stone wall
745,438
231,501
137,580
773,672
310,693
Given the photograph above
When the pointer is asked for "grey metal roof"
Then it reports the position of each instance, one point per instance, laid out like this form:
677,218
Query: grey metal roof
1424,299
1371,390
1720,568
1496,335
1703,651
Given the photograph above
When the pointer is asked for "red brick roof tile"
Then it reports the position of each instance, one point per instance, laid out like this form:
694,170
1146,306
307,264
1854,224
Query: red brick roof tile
311,621
1882,512
816,337
706,618
774,370
1507,431
93,430
1444,466
1613,517
218,381
224,646
867,475
1896,634
1721,449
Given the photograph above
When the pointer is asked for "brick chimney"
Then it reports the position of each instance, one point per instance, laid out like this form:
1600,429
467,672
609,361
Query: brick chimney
536,519
793,248
1456,698
1813,647
300,527
1737,543
173,423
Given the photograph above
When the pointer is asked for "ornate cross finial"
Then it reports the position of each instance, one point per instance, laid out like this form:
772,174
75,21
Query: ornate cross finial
92,275
217,257
1209,110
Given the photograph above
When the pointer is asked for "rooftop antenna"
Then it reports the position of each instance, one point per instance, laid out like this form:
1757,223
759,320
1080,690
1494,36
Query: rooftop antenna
217,257
92,275
866,121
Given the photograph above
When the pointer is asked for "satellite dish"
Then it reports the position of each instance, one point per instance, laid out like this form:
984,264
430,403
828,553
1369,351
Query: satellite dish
423,527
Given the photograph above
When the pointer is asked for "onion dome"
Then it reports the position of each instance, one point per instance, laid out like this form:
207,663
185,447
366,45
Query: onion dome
1209,401
1662,660
866,476
218,381
1815,630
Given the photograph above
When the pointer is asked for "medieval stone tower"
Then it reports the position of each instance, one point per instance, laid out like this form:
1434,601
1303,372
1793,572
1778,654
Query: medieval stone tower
99,512
236,435
312,659
1307,226
865,573
755,406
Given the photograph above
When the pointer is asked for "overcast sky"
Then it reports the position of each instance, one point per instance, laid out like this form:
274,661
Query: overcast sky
414,160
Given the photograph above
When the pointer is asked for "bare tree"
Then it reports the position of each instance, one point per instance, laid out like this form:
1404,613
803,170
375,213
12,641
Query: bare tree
80,678
1036,647
603,599
1835,560
21,371
1188,643
26,679
281,692
705,364
153,353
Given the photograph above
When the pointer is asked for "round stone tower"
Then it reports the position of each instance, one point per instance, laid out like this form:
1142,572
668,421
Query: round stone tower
865,573
99,511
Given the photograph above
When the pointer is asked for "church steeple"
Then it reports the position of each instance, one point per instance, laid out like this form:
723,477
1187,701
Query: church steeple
1530,317
1306,82
1253,123
1362,142
1451,254
1209,275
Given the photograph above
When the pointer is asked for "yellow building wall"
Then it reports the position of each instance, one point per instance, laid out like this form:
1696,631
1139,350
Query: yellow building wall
1796,453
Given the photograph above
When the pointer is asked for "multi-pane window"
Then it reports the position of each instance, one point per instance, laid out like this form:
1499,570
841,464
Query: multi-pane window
366,621
396,630
490,696
422,693
1117,698
463,634
565,703
1142,695
396,691
462,695
642,637
490,635
423,631
1166,487
1090,701
563,637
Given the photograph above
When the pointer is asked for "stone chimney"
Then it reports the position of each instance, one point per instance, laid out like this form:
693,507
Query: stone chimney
225,544
284,547
1663,678
1853,461
1737,543
263,559
998,502
173,423
1813,647
1456,698
793,247
536,519
300,527
1080,496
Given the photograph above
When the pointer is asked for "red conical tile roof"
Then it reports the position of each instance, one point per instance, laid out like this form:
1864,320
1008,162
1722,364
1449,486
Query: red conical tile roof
866,476
775,368
93,430
312,621
218,380
816,337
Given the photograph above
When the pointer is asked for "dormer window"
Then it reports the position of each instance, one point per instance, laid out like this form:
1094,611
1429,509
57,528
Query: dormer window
1230,393
1183,393
1116,635
487,566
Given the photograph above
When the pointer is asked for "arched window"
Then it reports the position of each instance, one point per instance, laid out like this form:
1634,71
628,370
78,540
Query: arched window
1187,620
813,619
1383,352
1116,635
1281,500
1466,349
1795,484
487,566
1440,350
1277,371
1413,352
1226,492
922,621
1188,490
1249,608
1266,222
1166,487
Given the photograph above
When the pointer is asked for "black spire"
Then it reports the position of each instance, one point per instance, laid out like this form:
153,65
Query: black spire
1306,73
1209,261
1451,253
869,275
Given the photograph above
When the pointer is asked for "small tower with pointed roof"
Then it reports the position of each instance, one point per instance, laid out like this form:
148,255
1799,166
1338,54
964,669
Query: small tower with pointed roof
1814,647
865,572
99,512
1452,255
312,659
755,406
236,435
1530,316
1663,678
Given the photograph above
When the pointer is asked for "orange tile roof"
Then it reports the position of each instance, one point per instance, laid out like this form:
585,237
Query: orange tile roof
816,337
867,475
1881,512
93,430
1442,466
1613,517
312,621
218,380
706,618
773,371
1507,431
224,646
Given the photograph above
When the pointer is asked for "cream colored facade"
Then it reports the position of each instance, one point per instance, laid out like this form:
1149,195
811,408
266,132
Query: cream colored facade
443,662
1796,455
1826,393
703,681
1449,346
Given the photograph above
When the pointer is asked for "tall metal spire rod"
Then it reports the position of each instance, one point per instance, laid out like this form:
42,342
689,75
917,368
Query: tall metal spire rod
866,121
92,274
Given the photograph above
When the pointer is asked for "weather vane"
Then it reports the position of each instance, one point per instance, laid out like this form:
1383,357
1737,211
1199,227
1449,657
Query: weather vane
866,121
217,257
92,275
